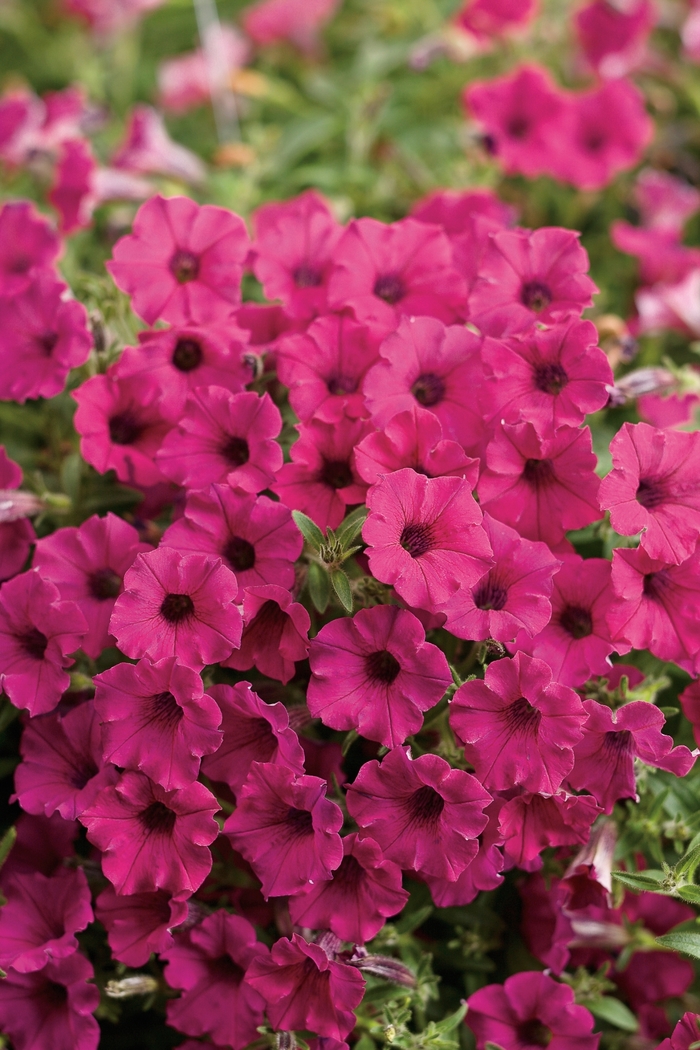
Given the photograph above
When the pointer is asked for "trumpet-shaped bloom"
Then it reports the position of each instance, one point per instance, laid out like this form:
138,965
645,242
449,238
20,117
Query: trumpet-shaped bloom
41,917
414,438
52,1008
16,533
138,924
275,633
27,245
530,823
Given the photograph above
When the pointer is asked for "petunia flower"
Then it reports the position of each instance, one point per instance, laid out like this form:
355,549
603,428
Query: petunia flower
40,918
614,39
16,533
482,873
28,246
275,633
138,924
530,823
52,1008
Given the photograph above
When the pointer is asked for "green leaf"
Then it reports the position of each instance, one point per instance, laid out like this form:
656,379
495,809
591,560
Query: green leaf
641,880
350,739
614,1012
683,941
309,530
6,843
319,586
689,861
414,919
349,529
341,586
689,893
450,1023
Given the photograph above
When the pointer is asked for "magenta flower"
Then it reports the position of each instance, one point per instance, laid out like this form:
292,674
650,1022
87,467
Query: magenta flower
686,1032
542,486
298,21
576,643
16,532
324,368
178,605
483,873
121,426
654,488
43,844
224,437
381,272
157,718
52,1008
62,769
425,363
42,336
37,631
414,439
286,829
518,726
153,839
183,262
425,815
140,923
549,377
604,758
28,246
375,673
41,917
208,964
529,276
293,251
514,594
275,633
253,535
493,18
322,479
530,823
304,989
253,732
87,564
613,39
527,1011
425,537
147,148
690,704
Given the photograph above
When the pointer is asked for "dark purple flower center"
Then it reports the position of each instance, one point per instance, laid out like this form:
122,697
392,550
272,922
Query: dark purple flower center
256,733
184,266
489,595
82,775
240,554
538,472
164,708
299,821
104,583
46,342
618,743
655,583
187,355
224,971
350,873
428,389
576,621
426,805
54,995
382,666
522,717
157,819
34,643
267,622
551,378
651,493
342,384
236,451
125,428
20,264
390,288
536,296
594,142
534,1033
518,127
306,276
417,538
490,145
336,473
177,607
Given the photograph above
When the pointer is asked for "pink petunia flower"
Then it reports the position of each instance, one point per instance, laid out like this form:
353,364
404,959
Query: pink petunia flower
183,261
41,917
541,486
37,631
157,718
664,200
140,923
549,377
518,726
87,564
322,479
298,21
530,823
106,17
576,642
414,439
121,426
485,19
613,39
375,673
425,537
690,704
147,149
483,872
178,605
425,363
27,245
253,732
153,839
364,892
62,768
381,272
514,594
686,1032
42,336
224,437
184,81
529,276
530,1010
51,1009
43,844
425,815
654,488
604,758
275,633
16,532
293,251
208,964
305,989
254,535
286,829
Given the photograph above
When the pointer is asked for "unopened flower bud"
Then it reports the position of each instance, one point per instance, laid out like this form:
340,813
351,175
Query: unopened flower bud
127,987
387,968
286,1041
15,504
